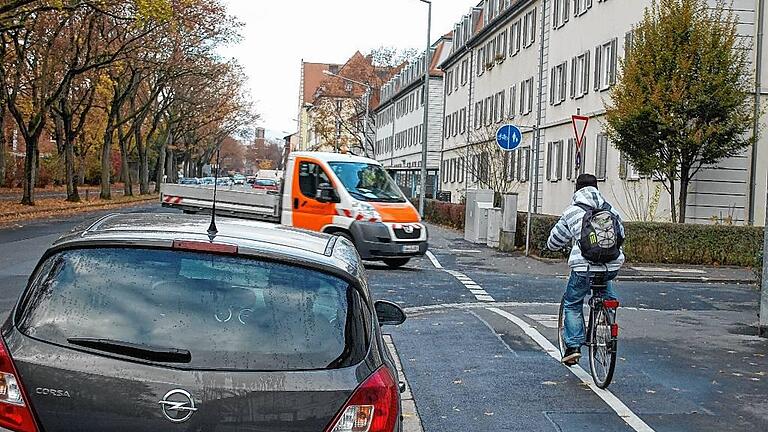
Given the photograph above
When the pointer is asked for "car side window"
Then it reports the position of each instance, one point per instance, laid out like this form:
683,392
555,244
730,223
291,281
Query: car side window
310,176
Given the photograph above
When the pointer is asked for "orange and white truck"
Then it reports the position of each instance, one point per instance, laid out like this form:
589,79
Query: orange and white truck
334,193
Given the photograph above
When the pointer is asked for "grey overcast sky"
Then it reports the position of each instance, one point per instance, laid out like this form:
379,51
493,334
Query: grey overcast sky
278,34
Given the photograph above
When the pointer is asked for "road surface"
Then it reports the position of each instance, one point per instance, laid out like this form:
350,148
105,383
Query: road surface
474,348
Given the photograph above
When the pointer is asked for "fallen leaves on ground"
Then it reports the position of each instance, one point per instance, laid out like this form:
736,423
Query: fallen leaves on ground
11,211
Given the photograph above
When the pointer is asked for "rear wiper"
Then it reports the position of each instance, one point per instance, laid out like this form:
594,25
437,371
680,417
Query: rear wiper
144,352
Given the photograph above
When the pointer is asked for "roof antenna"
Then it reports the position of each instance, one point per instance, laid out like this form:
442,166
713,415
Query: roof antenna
212,230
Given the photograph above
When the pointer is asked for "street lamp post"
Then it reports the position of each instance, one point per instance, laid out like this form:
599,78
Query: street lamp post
367,96
424,145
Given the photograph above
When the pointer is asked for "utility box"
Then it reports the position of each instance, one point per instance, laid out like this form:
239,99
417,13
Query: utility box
480,222
475,196
494,227
509,223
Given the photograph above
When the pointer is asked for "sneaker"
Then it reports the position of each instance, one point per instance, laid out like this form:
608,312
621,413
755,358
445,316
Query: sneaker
572,356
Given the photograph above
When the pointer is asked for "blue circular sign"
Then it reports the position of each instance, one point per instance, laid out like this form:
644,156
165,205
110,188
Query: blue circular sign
509,137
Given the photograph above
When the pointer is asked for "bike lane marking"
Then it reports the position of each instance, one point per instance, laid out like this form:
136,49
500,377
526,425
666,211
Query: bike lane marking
609,398
411,418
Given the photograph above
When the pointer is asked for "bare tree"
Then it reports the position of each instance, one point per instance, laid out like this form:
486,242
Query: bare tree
489,167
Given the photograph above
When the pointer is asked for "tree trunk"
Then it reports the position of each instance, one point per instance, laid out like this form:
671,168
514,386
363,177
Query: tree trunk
3,144
125,169
673,200
161,162
143,163
69,166
683,199
170,166
30,167
106,162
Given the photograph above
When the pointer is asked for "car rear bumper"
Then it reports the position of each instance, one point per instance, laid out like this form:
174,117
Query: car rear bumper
376,240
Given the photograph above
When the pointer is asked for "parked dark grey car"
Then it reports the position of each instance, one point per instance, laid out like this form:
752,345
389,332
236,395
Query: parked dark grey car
145,323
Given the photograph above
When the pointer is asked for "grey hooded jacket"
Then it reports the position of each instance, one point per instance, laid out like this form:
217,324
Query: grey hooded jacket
568,229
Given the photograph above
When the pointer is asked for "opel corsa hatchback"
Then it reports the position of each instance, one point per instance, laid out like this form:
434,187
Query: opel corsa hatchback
147,323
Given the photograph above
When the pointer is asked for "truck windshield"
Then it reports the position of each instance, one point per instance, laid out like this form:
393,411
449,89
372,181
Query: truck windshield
367,182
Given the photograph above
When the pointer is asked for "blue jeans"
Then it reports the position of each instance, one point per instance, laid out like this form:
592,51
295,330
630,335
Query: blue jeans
577,289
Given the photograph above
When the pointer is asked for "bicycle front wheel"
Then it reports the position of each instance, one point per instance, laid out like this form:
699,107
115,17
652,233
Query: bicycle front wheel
602,349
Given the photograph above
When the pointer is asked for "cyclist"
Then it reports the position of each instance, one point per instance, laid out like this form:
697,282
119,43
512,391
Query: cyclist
569,229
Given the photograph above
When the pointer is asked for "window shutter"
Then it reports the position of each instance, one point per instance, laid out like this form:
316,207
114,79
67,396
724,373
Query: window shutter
552,85
563,81
622,166
530,95
533,26
569,159
613,60
587,5
627,43
550,146
585,72
522,97
573,76
566,10
598,54
519,155
512,166
512,99
560,160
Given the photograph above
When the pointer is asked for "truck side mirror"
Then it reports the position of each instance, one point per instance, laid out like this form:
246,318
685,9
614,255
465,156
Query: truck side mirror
326,193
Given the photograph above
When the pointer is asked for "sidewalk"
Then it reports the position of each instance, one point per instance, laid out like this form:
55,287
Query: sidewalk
446,240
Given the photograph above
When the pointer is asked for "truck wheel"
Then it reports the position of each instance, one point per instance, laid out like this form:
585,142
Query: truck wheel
396,262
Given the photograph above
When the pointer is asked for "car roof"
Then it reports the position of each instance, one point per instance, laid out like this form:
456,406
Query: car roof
254,238
334,157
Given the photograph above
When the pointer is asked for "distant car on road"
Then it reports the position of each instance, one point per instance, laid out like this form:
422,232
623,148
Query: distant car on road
250,179
266,184
224,181
189,181
238,179
207,180
143,322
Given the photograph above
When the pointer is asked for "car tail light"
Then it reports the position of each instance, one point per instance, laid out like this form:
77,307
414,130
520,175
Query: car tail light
14,412
373,407
201,246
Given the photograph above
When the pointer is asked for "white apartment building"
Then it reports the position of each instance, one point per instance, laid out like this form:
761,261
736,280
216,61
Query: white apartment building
400,122
492,74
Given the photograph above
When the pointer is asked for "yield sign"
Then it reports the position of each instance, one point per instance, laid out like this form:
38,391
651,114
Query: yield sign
579,128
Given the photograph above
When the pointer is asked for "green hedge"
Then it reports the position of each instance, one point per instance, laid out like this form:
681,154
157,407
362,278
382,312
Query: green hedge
646,241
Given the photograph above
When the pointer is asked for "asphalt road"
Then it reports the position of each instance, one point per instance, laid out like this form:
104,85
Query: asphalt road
474,347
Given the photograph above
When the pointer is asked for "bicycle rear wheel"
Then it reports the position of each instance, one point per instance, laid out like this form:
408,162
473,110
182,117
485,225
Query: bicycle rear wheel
602,349
561,328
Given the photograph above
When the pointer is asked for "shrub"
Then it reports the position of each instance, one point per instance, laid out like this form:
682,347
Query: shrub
758,268
444,213
666,242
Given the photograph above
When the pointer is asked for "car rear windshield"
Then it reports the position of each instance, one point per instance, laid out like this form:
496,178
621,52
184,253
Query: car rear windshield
266,182
230,313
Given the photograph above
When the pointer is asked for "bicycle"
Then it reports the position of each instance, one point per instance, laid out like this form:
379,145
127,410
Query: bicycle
602,335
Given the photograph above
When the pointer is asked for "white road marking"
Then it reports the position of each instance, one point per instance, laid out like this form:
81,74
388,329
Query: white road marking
434,260
473,287
411,419
549,321
609,398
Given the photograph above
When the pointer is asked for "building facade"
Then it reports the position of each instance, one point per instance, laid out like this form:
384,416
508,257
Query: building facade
538,62
400,121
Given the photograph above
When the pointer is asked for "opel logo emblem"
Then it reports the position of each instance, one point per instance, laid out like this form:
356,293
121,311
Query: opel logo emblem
408,229
178,405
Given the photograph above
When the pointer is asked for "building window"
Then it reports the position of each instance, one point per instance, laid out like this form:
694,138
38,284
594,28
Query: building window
558,84
601,157
580,7
478,114
455,123
580,71
488,111
561,11
509,165
480,57
464,68
515,38
555,161
501,46
605,65
463,121
529,28
526,96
